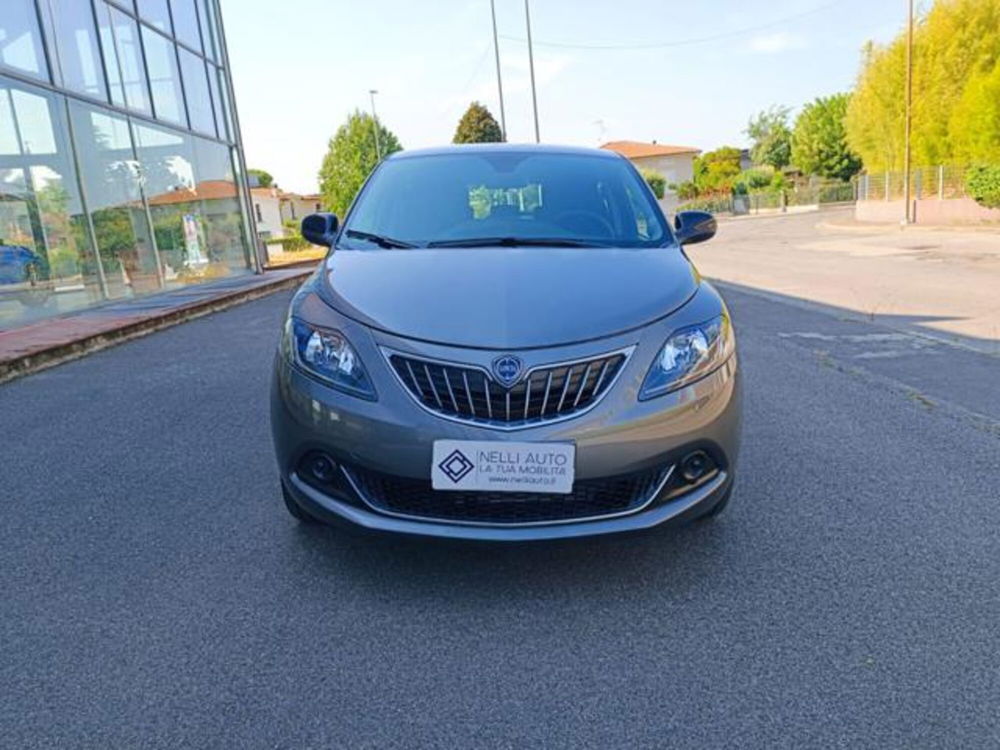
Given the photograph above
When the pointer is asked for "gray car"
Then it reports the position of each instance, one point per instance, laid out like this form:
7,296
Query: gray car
506,343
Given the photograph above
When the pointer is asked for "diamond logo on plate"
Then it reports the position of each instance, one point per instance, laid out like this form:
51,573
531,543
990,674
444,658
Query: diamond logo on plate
456,466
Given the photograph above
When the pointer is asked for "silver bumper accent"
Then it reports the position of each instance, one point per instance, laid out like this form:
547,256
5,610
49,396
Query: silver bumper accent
635,521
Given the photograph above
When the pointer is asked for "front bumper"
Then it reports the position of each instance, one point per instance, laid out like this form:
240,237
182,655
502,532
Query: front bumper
395,436
690,505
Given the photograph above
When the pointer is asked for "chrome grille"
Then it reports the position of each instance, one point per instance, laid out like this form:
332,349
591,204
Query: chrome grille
545,393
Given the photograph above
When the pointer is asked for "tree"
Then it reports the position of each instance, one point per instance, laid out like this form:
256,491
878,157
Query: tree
477,126
975,121
715,171
771,136
956,46
819,142
264,178
351,156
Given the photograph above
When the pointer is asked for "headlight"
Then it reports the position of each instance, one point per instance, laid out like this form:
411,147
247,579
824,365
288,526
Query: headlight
689,354
326,354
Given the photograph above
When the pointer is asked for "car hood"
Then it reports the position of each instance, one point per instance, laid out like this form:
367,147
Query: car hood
507,298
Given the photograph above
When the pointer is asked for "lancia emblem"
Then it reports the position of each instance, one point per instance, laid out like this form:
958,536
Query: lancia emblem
507,370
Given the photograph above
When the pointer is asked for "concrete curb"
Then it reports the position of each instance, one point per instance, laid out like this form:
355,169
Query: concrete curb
57,354
883,228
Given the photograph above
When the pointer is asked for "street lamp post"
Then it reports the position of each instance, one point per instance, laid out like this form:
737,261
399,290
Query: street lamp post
531,68
908,217
378,148
496,53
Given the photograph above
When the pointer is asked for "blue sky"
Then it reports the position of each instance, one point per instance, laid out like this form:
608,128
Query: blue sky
300,66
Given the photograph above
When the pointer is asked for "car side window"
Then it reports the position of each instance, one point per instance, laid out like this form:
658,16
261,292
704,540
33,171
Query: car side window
642,220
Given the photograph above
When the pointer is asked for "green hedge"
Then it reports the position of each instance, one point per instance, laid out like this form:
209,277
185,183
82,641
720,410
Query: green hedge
657,182
291,244
983,184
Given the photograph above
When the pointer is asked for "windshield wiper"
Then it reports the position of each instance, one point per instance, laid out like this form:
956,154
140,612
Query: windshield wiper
378,239
511,242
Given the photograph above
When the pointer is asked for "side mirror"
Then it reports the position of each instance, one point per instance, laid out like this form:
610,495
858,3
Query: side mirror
320,229
694,226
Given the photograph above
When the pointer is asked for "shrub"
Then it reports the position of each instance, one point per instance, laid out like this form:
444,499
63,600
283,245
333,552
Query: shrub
686,190
753,180
657,182
293,243
713,205
983,184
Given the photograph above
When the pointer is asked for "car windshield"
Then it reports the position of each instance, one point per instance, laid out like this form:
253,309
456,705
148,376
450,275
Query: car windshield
515,198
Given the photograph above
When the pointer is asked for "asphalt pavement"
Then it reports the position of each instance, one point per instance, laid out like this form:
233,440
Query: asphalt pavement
156,594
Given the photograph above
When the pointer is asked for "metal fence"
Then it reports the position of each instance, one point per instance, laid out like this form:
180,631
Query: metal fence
925,182
815,192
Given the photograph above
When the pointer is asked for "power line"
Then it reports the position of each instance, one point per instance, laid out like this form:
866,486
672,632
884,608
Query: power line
679,42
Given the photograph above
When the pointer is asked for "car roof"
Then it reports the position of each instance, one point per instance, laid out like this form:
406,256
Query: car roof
511,148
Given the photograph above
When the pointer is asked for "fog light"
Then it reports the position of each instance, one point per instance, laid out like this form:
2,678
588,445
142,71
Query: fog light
695,466
322,467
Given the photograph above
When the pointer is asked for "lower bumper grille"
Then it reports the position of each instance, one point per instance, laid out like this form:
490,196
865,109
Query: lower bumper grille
590,499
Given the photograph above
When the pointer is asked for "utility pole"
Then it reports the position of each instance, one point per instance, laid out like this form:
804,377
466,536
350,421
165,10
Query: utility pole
378,148
496,53
531,68
909,113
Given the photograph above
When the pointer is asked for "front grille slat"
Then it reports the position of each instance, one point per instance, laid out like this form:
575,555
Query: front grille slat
590,498
567,379
583,385
451,393
548,390
468,393
489,399
545,393
437,398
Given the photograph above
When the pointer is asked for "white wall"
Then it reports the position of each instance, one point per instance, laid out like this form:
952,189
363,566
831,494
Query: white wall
301,206
267,208
674,168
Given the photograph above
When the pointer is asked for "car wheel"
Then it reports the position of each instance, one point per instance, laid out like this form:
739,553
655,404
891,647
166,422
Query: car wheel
36,295
296,510
716,509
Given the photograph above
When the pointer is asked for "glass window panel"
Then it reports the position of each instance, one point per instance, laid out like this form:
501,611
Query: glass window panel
157,13
10,139
164,79
112,182
20,39
186,22
111,65
123,58
213,85
227,110
196,88
34,121
73,40
207,20
133,74
47,264
194,204
167,159
221,206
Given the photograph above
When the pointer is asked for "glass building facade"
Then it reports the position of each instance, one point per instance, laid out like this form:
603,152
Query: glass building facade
120,169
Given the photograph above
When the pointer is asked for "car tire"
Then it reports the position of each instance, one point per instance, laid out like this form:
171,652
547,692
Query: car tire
297,511
716,509
36,295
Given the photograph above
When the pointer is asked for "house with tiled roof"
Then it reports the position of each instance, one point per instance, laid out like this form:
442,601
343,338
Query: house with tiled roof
274,206
675,163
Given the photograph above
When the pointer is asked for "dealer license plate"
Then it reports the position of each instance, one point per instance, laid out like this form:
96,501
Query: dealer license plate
496,466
